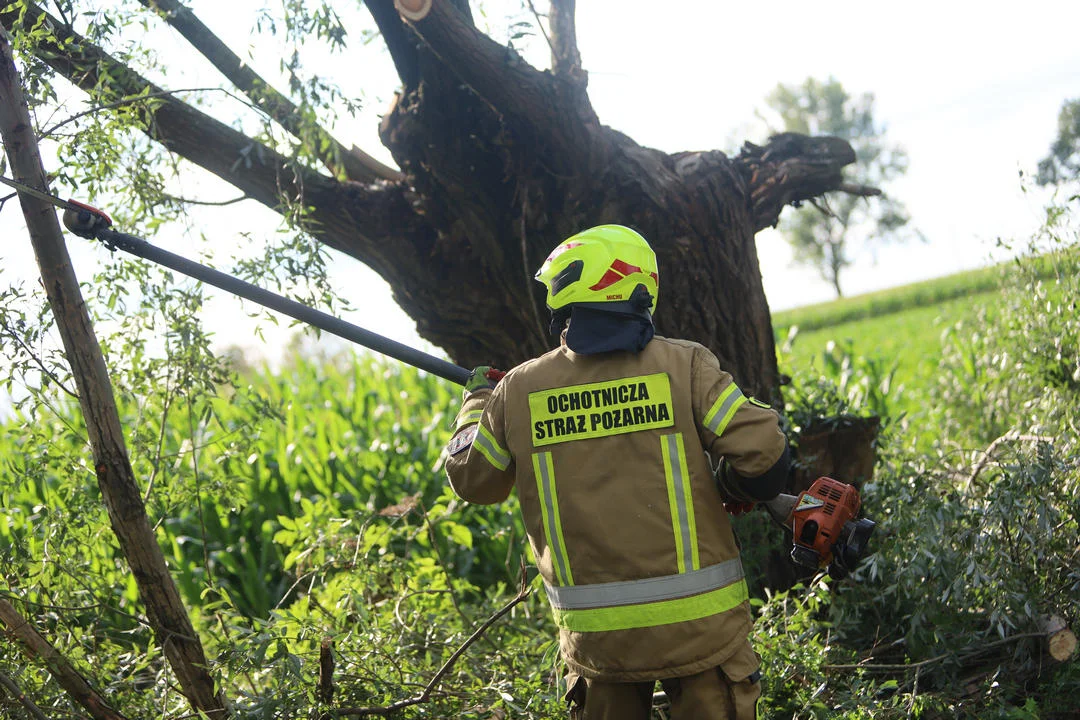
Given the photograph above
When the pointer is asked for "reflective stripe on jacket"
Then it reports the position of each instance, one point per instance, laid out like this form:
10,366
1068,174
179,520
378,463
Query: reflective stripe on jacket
608,455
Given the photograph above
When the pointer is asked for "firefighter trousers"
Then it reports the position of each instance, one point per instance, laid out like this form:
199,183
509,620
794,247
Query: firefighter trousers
728,692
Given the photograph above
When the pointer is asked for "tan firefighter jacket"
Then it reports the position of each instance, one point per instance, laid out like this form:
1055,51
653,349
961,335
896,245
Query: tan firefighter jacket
608,455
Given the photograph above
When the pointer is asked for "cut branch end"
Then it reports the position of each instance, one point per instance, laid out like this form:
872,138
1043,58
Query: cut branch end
413,10
1060,640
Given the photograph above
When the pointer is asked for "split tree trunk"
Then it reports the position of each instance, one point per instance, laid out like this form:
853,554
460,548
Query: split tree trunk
507,161
500,163
165,611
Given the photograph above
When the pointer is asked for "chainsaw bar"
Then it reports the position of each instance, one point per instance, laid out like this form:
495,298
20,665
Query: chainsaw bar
82,219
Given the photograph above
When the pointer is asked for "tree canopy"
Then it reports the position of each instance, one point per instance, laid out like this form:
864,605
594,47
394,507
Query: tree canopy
1063,161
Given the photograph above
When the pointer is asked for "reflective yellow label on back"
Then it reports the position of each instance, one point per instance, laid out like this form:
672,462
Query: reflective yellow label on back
613,407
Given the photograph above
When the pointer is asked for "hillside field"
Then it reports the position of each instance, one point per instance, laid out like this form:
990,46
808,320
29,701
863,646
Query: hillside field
900,330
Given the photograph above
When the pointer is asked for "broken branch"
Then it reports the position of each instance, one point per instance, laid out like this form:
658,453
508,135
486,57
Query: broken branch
38,648
326,670
354,163
523,592
791,168
860,190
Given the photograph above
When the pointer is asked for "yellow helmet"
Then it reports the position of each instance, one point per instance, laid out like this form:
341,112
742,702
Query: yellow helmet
604,264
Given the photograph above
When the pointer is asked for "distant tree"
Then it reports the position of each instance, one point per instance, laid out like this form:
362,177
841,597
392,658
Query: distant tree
822,236
1063,162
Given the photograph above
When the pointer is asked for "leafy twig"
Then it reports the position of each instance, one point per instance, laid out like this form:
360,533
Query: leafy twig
37,361
989,452
132,99
540,24
19,695
442,561
523,592
975,652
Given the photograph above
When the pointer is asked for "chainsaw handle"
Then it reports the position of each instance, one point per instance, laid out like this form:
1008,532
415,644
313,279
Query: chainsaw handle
780,509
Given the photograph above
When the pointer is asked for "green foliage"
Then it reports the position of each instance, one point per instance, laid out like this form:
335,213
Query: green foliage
978,510
310,505
821,237
847,384
907,331
357,437
1063,161
104,151
1016,373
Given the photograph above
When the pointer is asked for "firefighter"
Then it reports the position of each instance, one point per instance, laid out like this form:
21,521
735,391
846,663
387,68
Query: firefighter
616,441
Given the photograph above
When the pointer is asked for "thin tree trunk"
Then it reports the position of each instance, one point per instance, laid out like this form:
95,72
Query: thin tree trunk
127,514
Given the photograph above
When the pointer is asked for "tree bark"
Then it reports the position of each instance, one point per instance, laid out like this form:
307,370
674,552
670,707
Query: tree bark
565,57
166,613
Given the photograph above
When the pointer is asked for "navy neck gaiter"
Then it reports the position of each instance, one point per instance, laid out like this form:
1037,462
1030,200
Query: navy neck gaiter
592,331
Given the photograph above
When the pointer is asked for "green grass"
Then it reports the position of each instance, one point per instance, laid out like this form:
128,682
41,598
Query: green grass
902,326
899,330
892,300
910,338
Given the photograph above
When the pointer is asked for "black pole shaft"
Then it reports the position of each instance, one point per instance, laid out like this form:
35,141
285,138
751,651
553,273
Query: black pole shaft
329,323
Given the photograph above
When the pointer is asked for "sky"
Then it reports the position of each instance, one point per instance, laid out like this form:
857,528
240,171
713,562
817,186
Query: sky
971,91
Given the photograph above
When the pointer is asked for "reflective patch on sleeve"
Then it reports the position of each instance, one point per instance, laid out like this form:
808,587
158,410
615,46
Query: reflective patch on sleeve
462,441
490,449
755,401
723,409
473,416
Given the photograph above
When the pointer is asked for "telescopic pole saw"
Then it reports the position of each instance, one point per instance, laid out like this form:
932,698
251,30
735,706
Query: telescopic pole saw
91,223
329,323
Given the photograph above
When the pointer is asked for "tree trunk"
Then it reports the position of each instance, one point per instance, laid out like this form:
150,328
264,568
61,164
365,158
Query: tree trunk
506,162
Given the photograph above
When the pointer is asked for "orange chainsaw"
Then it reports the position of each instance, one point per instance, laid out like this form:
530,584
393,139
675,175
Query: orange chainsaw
824,525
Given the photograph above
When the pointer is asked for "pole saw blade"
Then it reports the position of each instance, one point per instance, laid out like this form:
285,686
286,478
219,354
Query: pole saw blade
82,219
39,194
